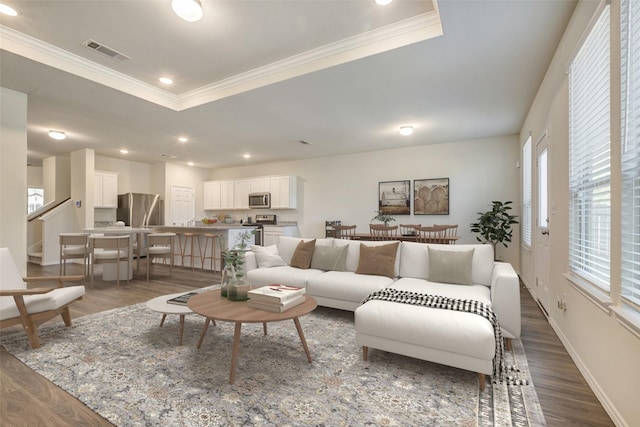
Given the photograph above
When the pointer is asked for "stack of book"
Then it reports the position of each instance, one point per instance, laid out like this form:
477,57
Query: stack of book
277,298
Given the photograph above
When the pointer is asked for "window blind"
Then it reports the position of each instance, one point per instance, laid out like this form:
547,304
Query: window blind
589,157
630,52
526,193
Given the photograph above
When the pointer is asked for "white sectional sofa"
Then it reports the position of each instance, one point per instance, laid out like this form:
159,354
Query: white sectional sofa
454,338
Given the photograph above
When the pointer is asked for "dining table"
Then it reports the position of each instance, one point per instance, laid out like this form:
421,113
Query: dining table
407,238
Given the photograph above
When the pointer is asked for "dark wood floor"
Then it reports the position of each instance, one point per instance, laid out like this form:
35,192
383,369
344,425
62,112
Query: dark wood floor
27,399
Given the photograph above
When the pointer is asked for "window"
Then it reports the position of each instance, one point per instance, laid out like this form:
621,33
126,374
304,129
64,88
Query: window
589,157
630,70
35,199
526,193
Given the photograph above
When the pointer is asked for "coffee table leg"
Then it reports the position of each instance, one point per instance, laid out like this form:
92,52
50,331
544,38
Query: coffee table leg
204,331
304,342
264,327
181,333
164,316
234,355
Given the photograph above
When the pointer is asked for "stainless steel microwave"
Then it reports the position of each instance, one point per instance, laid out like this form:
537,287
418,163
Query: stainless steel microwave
260,200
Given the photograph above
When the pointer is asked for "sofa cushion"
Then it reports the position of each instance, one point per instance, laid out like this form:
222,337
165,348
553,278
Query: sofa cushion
475,292
267,256
329,258
345,286
302,255
287,246
378,260
284,275
414,260
450,266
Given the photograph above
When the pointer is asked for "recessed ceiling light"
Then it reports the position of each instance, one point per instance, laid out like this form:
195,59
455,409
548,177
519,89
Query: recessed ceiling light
190,163
182,139
166,80
124,151
189,10
57,134
247,156
383,2
8,10
406,130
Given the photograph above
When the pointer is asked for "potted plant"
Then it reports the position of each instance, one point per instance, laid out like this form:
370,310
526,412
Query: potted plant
494,226
384,218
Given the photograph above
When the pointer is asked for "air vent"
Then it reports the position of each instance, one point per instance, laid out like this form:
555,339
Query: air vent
106,50
169,156
303,142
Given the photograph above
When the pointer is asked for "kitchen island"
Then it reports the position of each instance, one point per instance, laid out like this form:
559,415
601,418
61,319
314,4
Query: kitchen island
229,239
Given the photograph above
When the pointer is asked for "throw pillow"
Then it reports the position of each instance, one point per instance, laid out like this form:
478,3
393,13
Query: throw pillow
268,256
329,258
302,255
378,260
450,266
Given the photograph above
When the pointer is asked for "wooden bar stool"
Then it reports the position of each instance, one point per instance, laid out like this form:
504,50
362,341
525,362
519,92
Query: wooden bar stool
189,240
213,238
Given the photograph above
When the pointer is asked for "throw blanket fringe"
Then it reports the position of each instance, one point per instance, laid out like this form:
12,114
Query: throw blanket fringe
445,303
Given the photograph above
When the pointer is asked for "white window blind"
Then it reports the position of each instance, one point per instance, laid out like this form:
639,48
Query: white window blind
630,52
589,157
526,193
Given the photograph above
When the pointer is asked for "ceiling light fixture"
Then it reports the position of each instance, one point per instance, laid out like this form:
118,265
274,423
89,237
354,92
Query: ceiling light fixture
182,139
406,130
123,151
57,134
247,156
383,2
189,10
8,10
166,80
190,163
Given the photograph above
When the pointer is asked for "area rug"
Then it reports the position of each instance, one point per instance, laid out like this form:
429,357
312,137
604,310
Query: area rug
125,367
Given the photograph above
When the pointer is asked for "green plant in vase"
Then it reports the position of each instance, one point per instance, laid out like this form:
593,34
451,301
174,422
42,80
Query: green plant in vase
238,288
382,217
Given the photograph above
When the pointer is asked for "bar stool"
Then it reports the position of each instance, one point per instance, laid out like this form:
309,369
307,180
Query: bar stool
160,245
208,237
189,240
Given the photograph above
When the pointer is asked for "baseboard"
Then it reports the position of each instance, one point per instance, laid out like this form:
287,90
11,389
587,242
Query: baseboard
595,387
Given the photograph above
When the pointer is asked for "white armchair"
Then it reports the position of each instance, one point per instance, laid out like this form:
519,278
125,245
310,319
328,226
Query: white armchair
32,307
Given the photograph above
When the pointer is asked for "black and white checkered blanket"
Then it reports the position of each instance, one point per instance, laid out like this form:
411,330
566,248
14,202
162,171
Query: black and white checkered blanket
436,301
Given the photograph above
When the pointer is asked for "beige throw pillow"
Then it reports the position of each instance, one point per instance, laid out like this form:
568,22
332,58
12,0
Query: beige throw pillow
302,255
378,260
267,256
329,258
450,266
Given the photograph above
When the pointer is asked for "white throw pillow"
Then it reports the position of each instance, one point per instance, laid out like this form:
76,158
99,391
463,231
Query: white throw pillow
267,256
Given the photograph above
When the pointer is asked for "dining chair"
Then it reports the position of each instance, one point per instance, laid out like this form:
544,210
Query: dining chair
34,306
110,250
74,246
408,229
431,234
160,245
451,232
383,232
346,232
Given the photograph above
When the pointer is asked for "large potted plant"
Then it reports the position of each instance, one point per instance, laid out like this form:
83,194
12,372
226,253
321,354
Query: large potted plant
494,226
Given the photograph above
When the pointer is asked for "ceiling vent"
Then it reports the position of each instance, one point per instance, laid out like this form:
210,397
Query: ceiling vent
105,50
168,156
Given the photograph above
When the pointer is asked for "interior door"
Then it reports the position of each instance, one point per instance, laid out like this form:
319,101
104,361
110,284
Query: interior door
541,236
183,205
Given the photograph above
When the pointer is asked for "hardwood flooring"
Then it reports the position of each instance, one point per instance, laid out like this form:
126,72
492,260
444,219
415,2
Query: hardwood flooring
27,399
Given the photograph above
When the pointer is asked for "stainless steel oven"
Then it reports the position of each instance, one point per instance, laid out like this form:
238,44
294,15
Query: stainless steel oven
260,200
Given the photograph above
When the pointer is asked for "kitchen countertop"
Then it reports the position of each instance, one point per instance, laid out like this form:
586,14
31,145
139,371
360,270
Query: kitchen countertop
205,227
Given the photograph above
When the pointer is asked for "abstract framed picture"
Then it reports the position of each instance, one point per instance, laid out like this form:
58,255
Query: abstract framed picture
394,197
431,196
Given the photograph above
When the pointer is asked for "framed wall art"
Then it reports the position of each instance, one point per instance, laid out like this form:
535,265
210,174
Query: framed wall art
394,197
431,196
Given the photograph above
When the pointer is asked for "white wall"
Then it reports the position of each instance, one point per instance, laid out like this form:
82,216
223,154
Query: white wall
345,187
606,353
133,177
34,177
13,175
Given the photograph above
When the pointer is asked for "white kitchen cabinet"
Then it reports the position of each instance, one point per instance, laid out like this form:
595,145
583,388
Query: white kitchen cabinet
105,190
284,192
270,233
227,194
211,195
242,188
260,185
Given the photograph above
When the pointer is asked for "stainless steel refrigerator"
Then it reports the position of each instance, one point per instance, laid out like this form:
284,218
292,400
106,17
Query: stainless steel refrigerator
140,210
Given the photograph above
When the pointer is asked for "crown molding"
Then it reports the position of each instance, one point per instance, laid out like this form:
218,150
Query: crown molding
402,33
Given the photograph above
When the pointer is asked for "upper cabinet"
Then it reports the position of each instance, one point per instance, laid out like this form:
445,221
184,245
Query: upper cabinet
105,190
227,195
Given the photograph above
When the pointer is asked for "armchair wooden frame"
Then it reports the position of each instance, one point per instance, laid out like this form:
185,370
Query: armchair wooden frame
30,322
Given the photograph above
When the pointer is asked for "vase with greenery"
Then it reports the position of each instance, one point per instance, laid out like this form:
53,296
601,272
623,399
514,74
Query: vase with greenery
238,287
495,225
382,217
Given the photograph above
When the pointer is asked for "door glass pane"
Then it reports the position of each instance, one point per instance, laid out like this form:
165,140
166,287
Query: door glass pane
543,212
35,199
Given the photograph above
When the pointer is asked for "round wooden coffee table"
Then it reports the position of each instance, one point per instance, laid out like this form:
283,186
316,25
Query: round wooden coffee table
215,307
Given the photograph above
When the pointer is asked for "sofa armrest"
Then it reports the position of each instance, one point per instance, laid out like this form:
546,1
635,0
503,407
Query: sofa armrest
250,261
505,298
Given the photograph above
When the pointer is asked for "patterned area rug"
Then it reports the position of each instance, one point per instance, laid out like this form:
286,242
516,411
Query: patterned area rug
122,365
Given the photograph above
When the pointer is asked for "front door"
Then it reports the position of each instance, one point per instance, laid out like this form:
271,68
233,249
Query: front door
183,205
541,235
